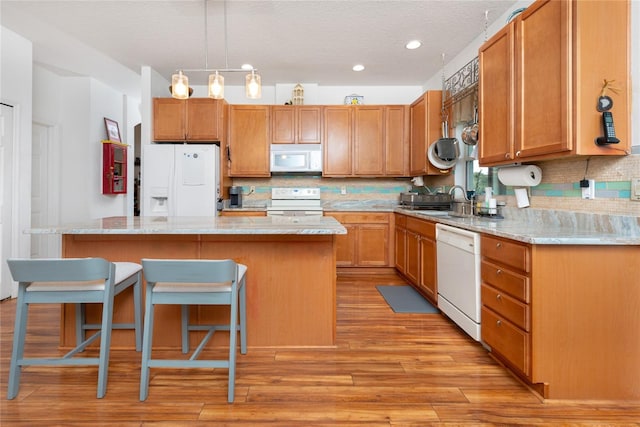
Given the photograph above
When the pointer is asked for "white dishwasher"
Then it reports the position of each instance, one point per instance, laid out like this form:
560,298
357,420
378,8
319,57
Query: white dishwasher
459,277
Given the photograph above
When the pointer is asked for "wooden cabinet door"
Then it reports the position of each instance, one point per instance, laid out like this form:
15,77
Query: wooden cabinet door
543,63
396,140
309,124
428,272
249,140
373,245
418,160
412,271
337,141
496,98
203,119
368,140
426,126
169,119
401,253
296,124
283,124
346,246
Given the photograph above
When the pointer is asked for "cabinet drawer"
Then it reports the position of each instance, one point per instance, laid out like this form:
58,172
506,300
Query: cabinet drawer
401,220
505,306
359,218
424,228
507,340
507,281
507,252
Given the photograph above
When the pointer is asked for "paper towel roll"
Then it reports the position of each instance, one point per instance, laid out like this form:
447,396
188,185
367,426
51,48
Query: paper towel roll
520,176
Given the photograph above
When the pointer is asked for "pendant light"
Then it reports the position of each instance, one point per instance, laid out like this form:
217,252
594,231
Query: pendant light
180,86
253,86
215,87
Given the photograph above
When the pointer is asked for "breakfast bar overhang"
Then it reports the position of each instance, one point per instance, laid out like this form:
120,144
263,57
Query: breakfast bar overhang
291,278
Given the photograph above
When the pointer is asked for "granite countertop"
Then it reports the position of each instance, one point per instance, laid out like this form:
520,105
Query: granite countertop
546,227
318,225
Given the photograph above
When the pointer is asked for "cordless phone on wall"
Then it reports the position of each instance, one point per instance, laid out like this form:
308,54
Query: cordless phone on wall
609,130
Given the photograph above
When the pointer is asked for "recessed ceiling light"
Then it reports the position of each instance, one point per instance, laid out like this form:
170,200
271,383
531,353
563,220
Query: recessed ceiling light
358,67
413,44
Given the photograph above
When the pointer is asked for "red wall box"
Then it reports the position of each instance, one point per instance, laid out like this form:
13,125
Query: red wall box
114,168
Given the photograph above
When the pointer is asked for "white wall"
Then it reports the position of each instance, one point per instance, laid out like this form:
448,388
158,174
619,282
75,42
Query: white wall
16,57
75,107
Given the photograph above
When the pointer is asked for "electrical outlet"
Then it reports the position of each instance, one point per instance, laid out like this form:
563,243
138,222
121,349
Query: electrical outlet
343,190
635,189
589,192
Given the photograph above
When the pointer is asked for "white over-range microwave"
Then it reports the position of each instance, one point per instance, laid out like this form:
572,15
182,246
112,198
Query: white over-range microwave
296,158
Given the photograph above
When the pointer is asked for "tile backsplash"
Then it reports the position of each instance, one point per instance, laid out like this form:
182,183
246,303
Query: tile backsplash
559,189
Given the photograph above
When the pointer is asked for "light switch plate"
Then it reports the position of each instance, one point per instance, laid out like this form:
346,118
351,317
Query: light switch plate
635,189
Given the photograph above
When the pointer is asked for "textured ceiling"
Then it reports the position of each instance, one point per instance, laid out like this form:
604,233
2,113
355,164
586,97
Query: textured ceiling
288,41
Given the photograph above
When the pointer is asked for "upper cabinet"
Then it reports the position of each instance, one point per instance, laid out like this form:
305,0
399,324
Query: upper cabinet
248,146
365,140
396,140
368,140
540,79
192,120
296,124
426,129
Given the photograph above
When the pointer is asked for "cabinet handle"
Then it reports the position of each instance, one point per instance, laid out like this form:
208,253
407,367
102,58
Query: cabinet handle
507,155
518,153
498,322
498,297
498,272
498,245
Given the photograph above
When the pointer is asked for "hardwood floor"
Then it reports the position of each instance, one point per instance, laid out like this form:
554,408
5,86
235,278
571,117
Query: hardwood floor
387,369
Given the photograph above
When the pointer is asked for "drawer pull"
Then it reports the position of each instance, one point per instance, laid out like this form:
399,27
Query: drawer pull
498,272
498,245
498,322
499,297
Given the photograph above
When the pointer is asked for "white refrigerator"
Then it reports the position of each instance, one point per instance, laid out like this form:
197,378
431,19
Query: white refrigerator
180,179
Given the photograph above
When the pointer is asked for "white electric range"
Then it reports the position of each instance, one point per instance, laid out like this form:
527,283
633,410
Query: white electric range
295,201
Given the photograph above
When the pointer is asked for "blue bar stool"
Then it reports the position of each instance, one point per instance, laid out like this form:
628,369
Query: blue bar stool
74,281
195,282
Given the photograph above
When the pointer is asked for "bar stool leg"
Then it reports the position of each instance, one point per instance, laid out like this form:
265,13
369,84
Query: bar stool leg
18,344
146,348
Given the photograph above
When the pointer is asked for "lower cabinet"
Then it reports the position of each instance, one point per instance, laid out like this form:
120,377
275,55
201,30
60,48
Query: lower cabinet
506,294
416,253
564,318
367,242
400,243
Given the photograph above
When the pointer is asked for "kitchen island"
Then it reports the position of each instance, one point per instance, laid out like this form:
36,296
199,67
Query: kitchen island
291,278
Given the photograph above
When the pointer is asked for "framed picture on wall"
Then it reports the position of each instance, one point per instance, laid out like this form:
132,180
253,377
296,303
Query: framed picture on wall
113,130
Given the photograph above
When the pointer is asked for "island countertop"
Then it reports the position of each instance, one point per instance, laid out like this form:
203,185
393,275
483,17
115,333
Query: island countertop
291,272
318,225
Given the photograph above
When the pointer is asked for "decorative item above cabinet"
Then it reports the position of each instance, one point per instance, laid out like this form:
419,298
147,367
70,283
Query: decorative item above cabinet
541,78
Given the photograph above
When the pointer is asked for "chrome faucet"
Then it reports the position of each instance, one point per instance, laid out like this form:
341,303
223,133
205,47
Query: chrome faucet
452,190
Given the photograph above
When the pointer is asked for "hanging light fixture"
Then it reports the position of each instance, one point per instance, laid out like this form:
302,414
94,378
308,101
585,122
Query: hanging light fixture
180,82
253,86
180,86
216,86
